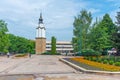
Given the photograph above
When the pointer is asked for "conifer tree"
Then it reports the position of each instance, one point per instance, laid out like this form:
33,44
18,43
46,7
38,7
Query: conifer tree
53,45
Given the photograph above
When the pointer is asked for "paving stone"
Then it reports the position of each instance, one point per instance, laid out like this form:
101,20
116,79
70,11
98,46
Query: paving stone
49,67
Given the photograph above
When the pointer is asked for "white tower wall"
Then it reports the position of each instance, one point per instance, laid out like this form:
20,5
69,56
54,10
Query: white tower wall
43,32
39,32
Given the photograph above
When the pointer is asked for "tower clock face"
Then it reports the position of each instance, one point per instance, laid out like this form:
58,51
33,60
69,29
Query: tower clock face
41,25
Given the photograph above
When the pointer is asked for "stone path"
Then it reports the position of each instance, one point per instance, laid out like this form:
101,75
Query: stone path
41,67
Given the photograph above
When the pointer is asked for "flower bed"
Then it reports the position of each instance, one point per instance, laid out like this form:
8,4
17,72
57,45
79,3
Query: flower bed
83,65
20,56
98,65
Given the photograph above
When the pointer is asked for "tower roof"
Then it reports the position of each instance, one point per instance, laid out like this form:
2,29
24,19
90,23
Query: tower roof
40,19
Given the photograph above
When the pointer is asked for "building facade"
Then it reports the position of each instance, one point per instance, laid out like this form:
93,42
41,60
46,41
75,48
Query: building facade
62,47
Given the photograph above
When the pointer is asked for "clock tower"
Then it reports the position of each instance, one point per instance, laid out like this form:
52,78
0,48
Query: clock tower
40,37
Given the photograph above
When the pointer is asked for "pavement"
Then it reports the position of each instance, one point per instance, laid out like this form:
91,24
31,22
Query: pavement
44,67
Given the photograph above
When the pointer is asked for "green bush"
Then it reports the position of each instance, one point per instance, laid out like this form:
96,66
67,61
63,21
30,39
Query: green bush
49,53
104,52
58,54
117,63
90,58
99,60
86,58
90,52
46,53
111,62
105,61
103,58
94,59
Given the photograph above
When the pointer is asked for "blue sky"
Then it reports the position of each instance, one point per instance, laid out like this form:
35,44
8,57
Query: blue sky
22,15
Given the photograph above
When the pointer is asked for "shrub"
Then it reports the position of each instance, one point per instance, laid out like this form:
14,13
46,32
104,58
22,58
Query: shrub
49,53
103,58
104,52
111,62
105,61
99,60
94,59
58,54
46,53
90,52
117,63
86,58
90,58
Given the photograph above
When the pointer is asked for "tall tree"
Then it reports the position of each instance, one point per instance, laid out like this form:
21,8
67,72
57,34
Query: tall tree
101,33
116,36
116,40
4,38
81,26
108,25
118,20
98,38
53,45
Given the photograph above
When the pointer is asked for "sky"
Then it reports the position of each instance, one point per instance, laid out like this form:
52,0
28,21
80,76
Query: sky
22,15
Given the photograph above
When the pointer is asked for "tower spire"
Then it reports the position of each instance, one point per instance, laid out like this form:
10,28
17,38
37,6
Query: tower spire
40,19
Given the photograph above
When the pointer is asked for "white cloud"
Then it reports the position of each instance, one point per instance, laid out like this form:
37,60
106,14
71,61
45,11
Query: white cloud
93,10
22,16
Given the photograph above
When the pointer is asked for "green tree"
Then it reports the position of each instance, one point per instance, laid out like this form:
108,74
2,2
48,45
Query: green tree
21,44
108,25
4,38
116,36
116,40
101,33
99,38
53,45
81,27
30,46
118,21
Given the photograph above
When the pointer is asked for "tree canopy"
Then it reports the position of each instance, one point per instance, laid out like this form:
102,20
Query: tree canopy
12,43
4,39
97,36
21,44
81,27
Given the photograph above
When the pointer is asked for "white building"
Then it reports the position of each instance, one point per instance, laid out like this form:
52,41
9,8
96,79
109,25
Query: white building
61,47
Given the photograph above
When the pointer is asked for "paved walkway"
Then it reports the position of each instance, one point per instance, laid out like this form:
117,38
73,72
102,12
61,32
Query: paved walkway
41,67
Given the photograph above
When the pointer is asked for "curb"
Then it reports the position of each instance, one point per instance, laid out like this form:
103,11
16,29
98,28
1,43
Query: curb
78,68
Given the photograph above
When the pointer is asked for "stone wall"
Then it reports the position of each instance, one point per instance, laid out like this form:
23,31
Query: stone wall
40,45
